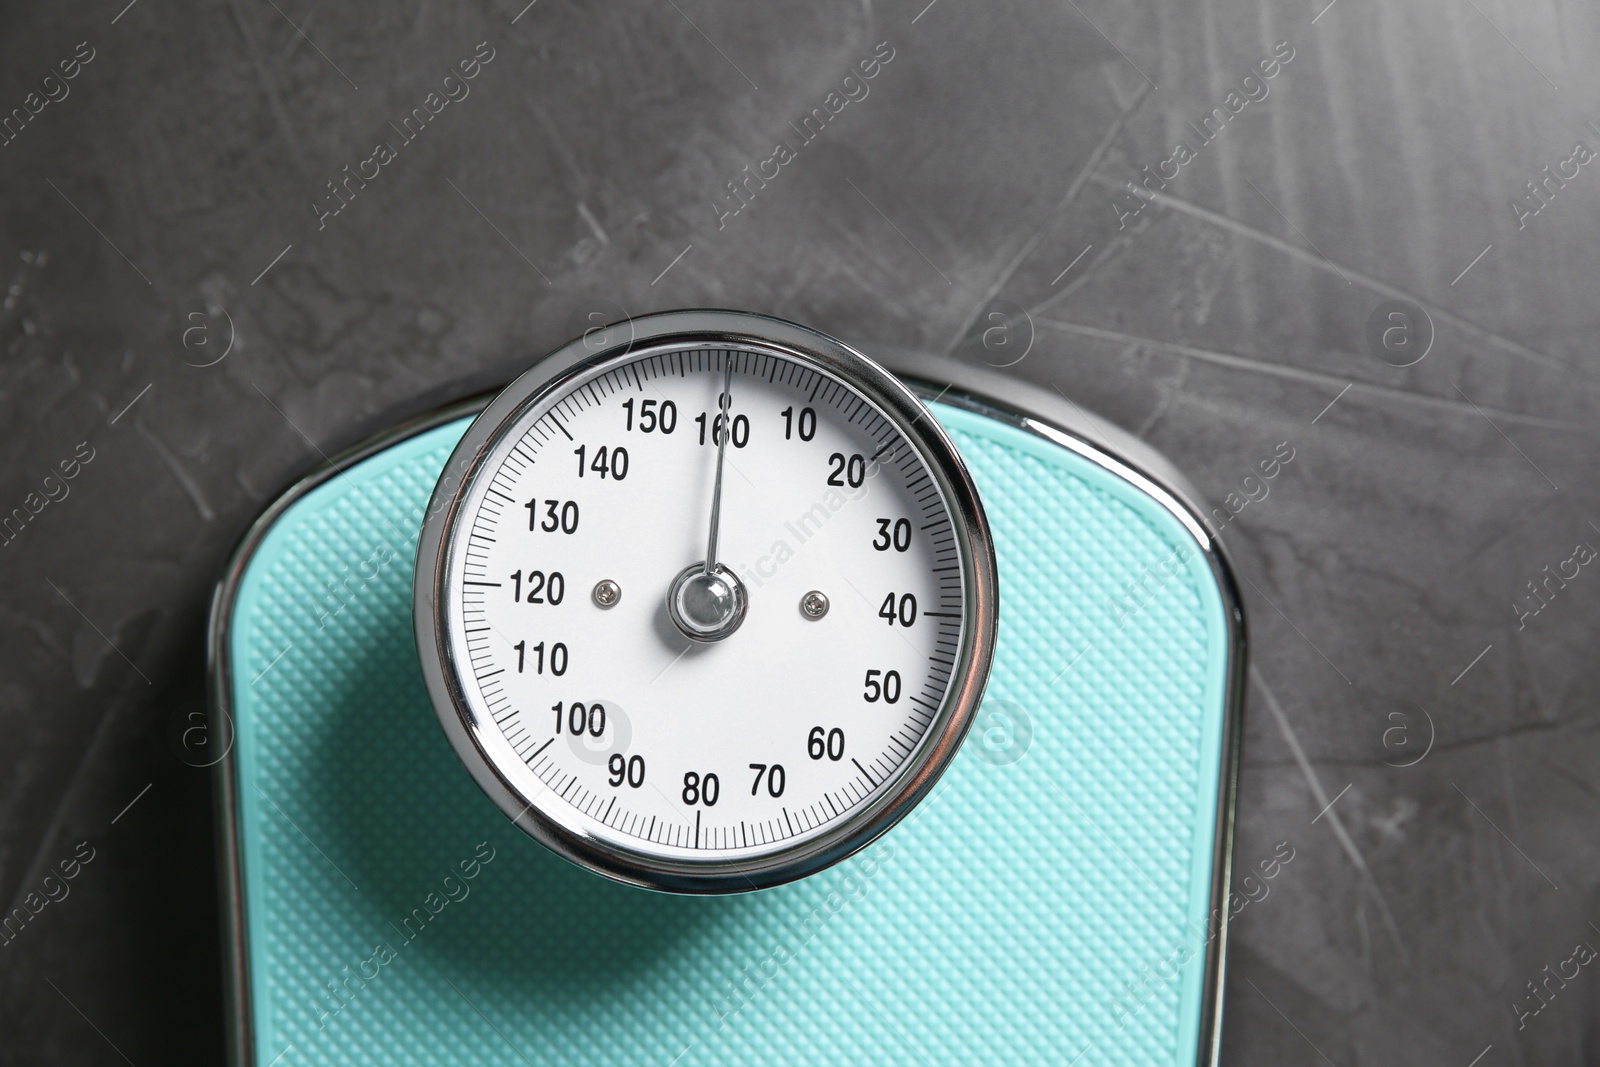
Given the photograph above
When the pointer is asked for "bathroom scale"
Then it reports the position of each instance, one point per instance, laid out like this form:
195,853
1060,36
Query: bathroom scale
719,693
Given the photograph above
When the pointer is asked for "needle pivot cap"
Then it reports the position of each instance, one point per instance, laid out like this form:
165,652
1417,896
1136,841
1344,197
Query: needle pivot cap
706,606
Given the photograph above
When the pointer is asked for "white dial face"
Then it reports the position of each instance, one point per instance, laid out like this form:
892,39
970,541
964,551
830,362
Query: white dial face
588,697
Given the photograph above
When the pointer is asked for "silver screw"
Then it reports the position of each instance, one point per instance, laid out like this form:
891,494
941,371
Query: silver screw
814,605
607,594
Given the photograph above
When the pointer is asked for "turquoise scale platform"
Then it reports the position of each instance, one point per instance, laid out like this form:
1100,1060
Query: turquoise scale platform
997,925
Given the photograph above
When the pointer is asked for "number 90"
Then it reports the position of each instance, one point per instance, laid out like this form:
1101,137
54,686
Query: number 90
630,770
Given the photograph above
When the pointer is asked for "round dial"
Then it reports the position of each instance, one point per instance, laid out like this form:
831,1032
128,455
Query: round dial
711,604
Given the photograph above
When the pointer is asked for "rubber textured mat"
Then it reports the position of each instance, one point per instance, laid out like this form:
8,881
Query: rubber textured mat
391,915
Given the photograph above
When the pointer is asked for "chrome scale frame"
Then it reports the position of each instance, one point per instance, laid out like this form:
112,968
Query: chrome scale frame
567,371
977,389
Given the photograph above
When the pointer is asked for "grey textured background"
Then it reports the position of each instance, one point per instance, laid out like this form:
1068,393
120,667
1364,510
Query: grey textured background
1222,320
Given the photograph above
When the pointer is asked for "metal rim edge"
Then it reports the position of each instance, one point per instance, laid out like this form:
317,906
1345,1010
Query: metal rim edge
1178,501
219,669
574,362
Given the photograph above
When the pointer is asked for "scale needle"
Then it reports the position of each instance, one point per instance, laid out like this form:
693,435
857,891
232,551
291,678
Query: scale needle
725,404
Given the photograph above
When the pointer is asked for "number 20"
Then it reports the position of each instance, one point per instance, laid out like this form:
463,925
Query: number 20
905,612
